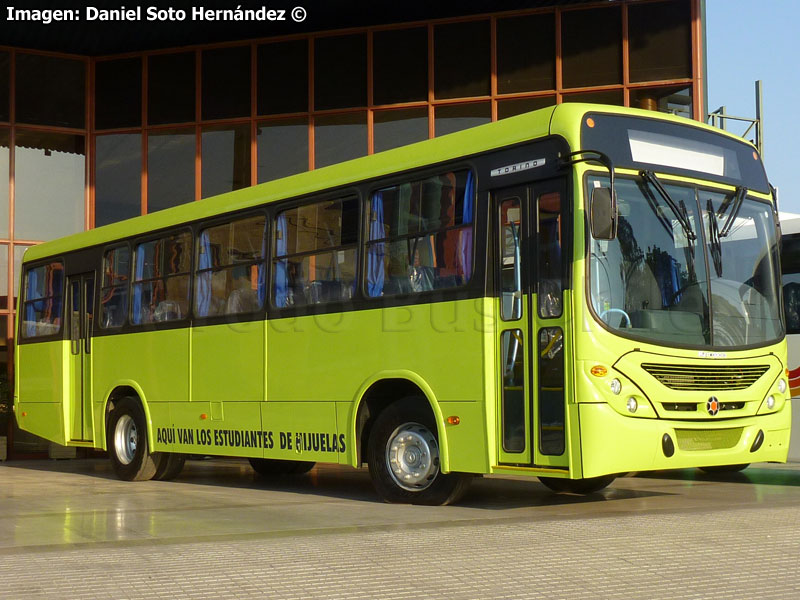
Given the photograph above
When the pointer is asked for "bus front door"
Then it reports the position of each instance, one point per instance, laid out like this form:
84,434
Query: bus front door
80,311
530,321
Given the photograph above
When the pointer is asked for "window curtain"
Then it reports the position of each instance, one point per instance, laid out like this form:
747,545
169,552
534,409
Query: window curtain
137,287
464,258
281,266
376,252
203,299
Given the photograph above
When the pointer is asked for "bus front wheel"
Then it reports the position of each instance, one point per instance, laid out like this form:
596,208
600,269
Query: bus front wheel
126,440
589,485
403,457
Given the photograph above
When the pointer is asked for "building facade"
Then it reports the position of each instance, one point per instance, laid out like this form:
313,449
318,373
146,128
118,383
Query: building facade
89,137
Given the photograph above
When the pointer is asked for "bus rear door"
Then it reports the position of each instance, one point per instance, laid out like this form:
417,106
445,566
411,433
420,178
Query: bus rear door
530,324
80,310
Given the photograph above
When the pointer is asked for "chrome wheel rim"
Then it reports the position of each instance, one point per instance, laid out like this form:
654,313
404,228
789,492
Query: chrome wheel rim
125,439
412,457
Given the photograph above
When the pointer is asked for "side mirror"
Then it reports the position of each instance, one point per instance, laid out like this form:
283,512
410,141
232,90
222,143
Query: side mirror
603,214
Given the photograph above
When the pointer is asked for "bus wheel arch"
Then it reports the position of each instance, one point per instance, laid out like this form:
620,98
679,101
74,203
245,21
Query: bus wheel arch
378,397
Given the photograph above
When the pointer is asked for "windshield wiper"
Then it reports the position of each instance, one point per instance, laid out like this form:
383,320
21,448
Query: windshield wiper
738,199
680,212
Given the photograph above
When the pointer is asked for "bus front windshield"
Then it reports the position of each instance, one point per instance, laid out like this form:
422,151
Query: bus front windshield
707,278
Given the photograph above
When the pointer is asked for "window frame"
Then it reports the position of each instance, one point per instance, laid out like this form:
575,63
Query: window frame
24,302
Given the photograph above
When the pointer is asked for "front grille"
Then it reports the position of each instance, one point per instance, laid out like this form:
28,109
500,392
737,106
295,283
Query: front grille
706,378
708,439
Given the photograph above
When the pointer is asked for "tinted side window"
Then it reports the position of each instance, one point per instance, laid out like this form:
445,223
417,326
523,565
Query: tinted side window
315,253
161,279
420,235
44,292
230,268
114,290
790,280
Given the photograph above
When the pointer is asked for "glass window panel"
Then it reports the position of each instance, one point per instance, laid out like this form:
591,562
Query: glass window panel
118,93
231,275
339,138
283,77
450,119
226,159
462,59
62,157
676,100
340,72
421,235
161,279
170,168
400,65
510,260
43,300
526,53
114,293
116,266
614,97
170,88
393,128
4,158
549,251
511,108
50,91
325,233
226,83
591,43
551,391
118,177
513,390
282,148
660,40
5,85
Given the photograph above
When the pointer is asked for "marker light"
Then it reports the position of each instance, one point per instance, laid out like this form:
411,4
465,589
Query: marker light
599,371
782,386
590,122
632,404
454,420
615,386
771,402
203,417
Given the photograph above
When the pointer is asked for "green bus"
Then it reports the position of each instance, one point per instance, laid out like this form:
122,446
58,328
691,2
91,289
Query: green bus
570,294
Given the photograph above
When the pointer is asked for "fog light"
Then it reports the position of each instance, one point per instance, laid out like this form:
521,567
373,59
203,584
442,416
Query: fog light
770,402
615,386
782,386
632,404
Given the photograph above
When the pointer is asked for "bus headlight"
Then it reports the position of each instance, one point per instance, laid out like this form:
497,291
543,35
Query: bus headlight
771,402
632,404
616,386
782,386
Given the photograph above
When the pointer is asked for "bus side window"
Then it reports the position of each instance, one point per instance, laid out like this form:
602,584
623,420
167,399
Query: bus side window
44,292
114,290
230,275
420,235
161,279
315,251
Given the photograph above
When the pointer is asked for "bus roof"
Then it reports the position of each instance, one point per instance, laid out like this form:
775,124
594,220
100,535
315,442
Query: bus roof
564,120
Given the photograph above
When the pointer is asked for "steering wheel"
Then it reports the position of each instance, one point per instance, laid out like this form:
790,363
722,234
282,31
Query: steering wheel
680,291
618,311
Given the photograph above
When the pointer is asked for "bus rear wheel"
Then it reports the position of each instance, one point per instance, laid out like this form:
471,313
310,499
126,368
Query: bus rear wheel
403,457
589,485
169,465
126,440
267,467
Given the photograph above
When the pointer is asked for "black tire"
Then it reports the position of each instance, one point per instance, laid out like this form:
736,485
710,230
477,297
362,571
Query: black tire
588,485
724,468
412,417
126,440
169,465
267,467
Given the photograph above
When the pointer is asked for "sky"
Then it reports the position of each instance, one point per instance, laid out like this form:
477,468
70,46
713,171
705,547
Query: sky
749,40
